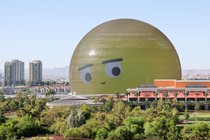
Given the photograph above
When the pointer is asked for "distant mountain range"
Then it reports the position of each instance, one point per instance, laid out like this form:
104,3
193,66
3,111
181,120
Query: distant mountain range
63,72
54,73
195,72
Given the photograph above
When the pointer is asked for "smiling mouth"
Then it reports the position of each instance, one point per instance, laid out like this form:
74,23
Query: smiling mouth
103,83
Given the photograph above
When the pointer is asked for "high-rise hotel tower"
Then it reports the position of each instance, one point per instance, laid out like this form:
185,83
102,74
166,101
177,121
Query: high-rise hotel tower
14,73
35,71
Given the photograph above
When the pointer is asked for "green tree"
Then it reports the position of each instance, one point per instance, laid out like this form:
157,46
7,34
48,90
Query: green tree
150,113
197,106
175,103
59,127
110,122
8,130
84,113
186,132
122,133
205,93
160,104
1,111
31,105
135,126
107,106
50,115
3,119
173,132
101,134
40,105
72,133
27,126
155,94
2,99
111,135
50,95
127,95
77,118
196,95
186,114
136,112
151,129
162,127
120,111
165,94
12,105
186,95
176,93
200,131
90,128
146,96
174,115
138,93
116,95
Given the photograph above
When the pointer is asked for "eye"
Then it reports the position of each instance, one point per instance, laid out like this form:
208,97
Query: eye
113,69
86,75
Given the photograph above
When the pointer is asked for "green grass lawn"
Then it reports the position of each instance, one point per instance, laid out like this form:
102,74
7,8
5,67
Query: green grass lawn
200,116
197,116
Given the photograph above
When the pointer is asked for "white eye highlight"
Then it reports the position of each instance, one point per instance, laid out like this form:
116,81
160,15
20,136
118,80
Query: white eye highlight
113,69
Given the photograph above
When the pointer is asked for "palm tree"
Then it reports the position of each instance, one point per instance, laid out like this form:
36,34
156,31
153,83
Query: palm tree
176,93
49,94
117,94
186,94
205,93
165,94
138,93
155,94
127,94
146,95
196,94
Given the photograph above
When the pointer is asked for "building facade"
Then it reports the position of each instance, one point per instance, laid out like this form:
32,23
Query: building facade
35,72
14,73
182,90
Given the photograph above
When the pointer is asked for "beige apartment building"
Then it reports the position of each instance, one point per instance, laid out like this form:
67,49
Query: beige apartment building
35,72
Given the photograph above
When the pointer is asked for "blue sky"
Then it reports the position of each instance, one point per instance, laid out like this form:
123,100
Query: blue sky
49,30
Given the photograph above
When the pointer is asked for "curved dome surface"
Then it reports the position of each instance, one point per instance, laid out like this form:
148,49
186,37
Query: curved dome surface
121,54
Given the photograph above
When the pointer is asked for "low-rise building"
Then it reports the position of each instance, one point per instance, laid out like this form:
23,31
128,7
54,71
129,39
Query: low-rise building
183,90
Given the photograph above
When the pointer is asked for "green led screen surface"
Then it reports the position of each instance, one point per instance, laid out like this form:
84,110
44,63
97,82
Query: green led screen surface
121,54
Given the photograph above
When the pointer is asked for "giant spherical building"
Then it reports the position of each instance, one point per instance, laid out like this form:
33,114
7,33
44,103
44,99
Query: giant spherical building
121,54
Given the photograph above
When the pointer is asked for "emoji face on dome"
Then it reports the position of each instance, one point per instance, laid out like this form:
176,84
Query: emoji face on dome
121,54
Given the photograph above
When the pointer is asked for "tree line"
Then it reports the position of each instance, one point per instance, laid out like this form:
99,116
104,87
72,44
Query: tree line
113,120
